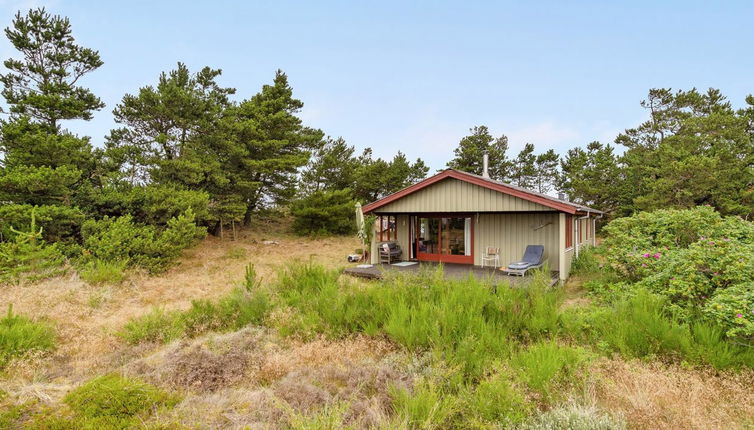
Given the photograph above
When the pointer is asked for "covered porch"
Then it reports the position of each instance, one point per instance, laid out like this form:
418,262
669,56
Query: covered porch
450,270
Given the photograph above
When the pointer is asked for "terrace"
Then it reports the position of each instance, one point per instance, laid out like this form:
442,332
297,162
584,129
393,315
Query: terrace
450,270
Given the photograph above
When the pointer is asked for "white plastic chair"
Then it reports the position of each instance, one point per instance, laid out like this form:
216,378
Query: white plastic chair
491,255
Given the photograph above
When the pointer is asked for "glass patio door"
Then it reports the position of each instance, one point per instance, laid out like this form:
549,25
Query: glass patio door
446,239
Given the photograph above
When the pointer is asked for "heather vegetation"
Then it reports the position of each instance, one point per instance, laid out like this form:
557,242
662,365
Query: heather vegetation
654,328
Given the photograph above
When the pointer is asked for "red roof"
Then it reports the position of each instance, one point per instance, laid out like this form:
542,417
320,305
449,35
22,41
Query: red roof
542,199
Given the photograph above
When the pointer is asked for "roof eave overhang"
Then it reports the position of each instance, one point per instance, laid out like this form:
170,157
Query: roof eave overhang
563,207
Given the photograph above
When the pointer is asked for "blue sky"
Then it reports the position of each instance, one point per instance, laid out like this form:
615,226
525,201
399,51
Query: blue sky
415,76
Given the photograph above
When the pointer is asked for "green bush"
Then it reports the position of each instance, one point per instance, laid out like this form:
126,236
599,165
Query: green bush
701,262
28,257
120,239
586,263
99,272
113,401
20,335
58,223
324,213
633,242
153,204
238,309
733,310
638,326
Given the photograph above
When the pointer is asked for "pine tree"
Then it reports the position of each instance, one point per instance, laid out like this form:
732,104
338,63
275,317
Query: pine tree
593,177
332,167
546,166
172,135
524,171
273,144
43,164
471,149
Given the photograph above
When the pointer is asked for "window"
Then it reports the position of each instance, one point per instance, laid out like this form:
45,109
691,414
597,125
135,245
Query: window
568,231
388,227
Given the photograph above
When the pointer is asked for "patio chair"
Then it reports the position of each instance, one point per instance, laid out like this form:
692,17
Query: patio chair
533,259
491,255
389,252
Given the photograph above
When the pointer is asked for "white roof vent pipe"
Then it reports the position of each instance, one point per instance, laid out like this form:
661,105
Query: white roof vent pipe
486,166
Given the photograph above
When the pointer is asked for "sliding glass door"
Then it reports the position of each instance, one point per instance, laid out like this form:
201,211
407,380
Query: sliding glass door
446,239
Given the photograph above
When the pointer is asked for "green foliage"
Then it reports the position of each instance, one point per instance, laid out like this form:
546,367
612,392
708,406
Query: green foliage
427,406
113,401
376,178
323,213
469,153
43,84
100,272
330,417
695,149
586,263
20,335
331,168
461,321
156,326
121,239
28,257
733,310
592,176
701,262
544,364
637,326
152,204
238,309
58,223
494,401
251,279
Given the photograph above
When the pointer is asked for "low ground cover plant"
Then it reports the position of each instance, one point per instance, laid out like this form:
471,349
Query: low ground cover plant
20,335
110,401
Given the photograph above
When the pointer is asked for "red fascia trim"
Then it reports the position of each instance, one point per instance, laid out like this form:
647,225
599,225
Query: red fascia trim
472,180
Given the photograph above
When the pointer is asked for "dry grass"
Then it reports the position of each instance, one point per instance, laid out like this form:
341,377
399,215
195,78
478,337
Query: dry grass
253,378
86,317
651,395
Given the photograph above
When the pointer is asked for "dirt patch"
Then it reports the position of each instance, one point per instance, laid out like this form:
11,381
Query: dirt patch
651,395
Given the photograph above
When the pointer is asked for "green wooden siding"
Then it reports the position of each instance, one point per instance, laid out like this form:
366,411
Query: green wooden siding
452,195
511,233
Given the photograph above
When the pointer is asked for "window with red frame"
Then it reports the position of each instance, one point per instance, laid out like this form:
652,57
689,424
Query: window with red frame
569,231
388,228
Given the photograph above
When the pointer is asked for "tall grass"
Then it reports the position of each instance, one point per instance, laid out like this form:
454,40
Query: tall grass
100,272
238,309
20,335
544,364
465,322
637,326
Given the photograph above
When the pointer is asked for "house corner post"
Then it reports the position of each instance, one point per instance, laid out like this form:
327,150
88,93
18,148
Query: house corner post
561,246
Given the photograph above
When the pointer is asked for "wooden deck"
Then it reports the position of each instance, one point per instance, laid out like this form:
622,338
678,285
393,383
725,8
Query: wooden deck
451,271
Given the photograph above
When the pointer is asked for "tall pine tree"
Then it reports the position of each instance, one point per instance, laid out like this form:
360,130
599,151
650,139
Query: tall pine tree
470,150
43,164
